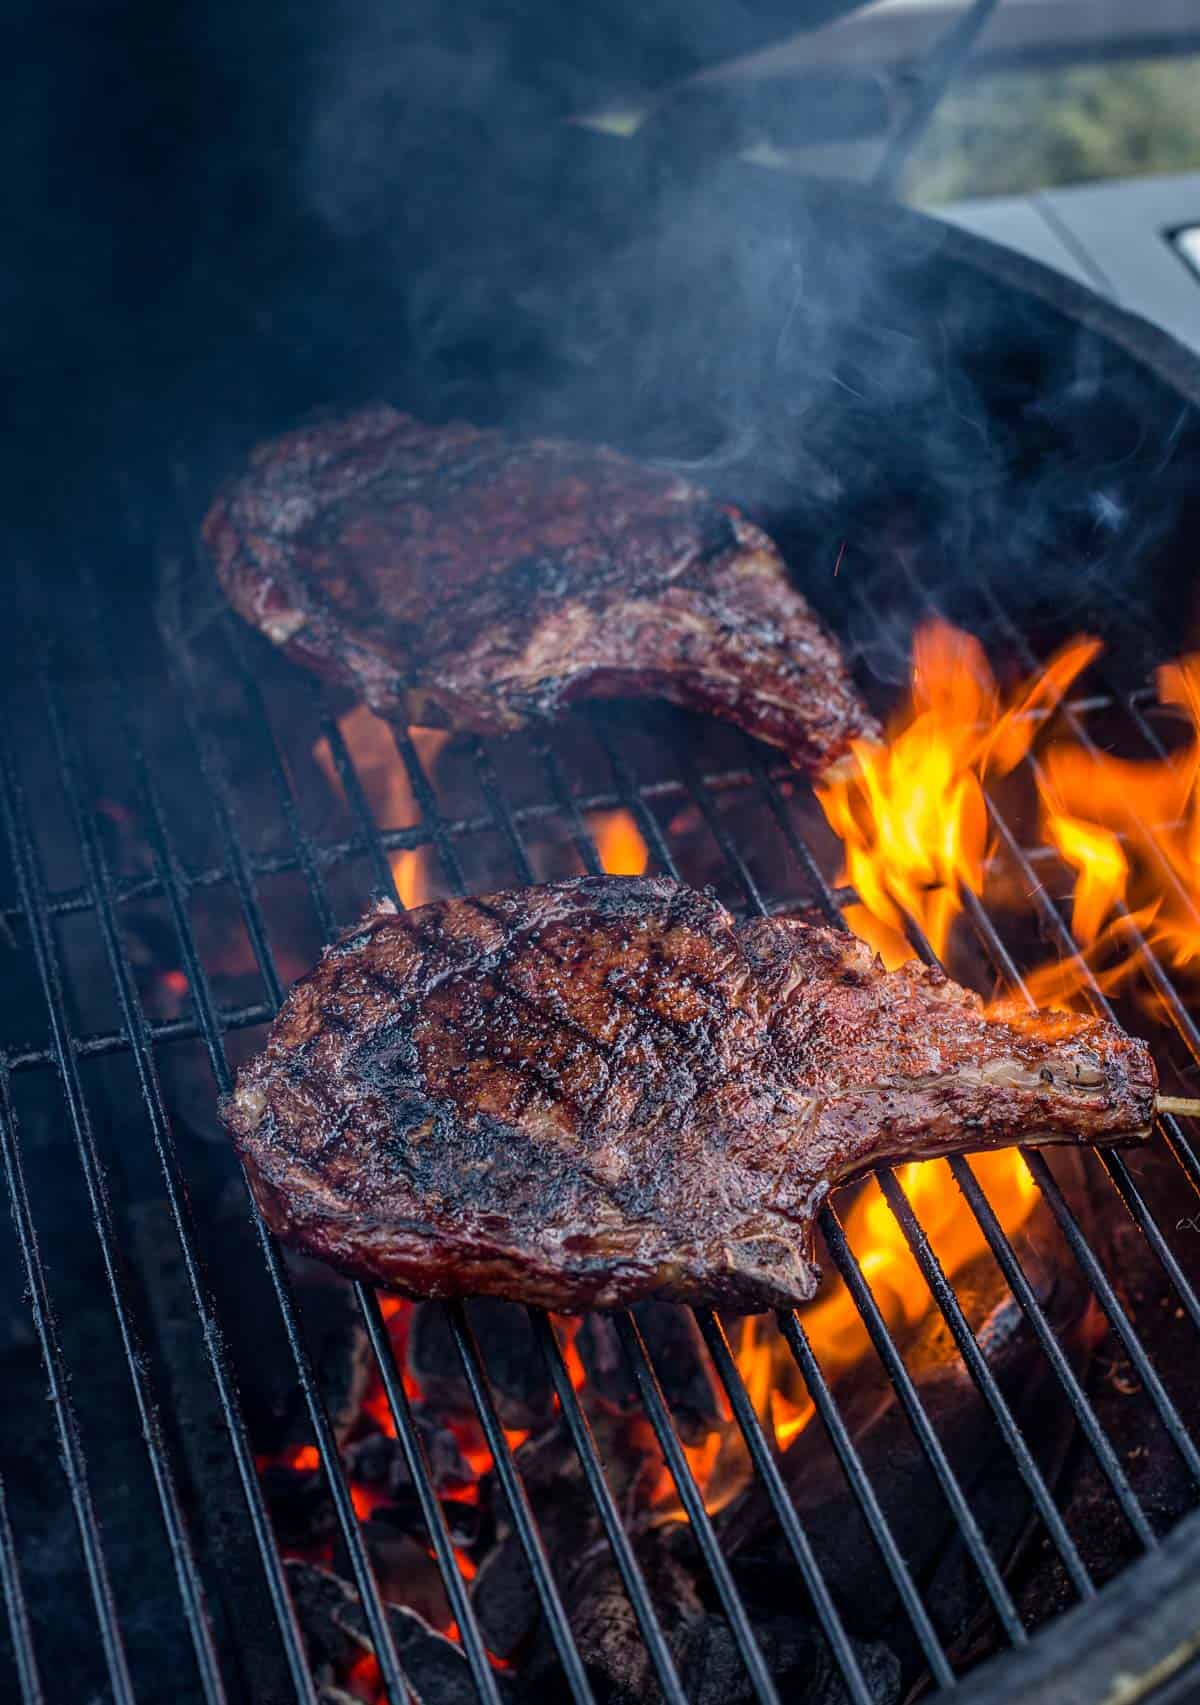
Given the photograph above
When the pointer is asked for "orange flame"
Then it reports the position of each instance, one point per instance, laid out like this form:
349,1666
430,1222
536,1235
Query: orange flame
386,783
619,842
1130,830
910,812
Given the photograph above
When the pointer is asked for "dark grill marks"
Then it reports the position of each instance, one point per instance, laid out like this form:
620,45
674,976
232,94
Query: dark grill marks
514,1113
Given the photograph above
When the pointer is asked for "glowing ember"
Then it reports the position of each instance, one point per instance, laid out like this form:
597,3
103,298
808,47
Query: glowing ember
910,812
619,842
1131,833
386,783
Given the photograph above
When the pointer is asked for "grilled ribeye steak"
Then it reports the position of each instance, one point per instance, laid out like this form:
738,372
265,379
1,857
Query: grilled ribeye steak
465,579
605,1089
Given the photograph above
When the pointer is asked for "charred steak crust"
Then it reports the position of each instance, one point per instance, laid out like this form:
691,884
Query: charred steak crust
465,579
606,1089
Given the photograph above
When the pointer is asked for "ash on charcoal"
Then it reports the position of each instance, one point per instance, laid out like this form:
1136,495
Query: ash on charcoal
677,1352
712,1672
465,1520
378,1460
335,1635
406,1572
503,1592
519,1380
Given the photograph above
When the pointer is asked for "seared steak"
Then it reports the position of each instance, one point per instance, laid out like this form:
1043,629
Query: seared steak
465,579
607,1089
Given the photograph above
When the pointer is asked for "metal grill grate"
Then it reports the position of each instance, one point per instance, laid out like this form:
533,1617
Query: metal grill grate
84,645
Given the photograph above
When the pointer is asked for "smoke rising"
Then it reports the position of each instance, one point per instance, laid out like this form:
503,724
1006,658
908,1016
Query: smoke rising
849,372
227,223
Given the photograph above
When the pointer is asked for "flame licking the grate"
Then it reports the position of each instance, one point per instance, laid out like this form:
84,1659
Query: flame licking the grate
388,788
1130,832
910,812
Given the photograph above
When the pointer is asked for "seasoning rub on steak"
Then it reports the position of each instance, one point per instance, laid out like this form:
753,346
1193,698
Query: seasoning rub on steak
464,579
606,1089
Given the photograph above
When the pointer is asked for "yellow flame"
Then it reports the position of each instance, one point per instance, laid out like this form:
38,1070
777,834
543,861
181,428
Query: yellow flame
910,812
1130,831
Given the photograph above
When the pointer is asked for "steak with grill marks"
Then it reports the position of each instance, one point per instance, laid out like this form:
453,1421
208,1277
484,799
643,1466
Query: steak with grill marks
600,1090
464,579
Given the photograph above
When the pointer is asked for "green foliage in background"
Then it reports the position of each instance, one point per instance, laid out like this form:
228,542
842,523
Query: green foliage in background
1017,131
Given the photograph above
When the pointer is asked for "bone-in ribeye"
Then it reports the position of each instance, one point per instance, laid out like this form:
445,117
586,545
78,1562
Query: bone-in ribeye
465,579
600,1090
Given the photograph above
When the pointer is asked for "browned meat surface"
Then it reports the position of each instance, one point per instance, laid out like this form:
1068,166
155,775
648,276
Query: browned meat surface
465,579
607,1089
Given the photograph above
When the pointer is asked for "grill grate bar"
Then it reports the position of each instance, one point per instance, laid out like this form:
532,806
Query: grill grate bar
885,1349
1042,1175
767,1470
968,1349
202,995
431,1510
519,1506
368,1304
380,1340
468,1350
1081,1408
761,1453
100,884
993,1232
1181,1149
70,1444
26,867
1114,1165
658,1413
655,1406
634,800
378,1624
881,1338
64,902
860,1484
581,1434
623,1552
211,1030
18,1613
105,1042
